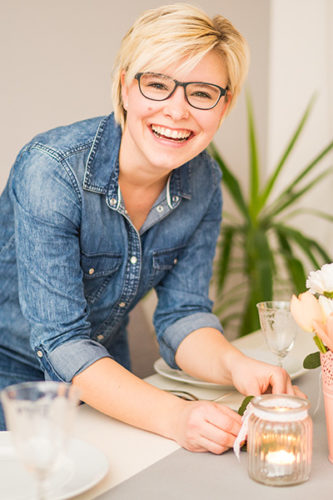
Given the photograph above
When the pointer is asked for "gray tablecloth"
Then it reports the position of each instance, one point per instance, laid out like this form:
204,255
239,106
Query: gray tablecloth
195,476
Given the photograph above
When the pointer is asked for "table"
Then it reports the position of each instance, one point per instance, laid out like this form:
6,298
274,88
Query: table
143,465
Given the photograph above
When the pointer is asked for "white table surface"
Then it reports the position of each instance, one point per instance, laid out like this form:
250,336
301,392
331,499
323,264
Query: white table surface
196,476
131,451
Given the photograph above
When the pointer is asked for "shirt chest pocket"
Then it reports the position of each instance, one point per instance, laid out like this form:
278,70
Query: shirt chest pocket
98,270
164,261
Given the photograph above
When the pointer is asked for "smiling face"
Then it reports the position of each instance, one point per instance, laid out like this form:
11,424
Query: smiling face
159,136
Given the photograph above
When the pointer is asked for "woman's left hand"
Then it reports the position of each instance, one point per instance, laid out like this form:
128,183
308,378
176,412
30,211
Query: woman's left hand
252,377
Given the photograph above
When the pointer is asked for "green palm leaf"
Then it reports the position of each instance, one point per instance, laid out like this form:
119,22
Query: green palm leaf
294,266
230,181
228,235
301,240
309,167
310,211
281,204
254,162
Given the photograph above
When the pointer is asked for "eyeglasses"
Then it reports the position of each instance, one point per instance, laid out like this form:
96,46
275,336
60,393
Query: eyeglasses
199,95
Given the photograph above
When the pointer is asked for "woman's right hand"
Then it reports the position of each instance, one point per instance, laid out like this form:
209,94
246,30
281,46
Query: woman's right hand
207,426
194,425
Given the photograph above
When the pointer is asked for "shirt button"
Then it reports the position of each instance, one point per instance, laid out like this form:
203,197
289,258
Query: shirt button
122,304
113,202
160,208
91,270
100,337
175,261
133,259
175,198
39,354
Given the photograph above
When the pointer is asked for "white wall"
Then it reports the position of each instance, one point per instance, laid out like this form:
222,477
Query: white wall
301,62
56,59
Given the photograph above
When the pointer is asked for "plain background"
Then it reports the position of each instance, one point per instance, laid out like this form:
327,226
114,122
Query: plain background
57,55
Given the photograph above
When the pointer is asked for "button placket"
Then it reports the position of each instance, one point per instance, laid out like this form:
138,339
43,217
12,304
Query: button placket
132,274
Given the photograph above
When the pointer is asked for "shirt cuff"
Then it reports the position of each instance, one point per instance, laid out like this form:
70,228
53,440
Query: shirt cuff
176,333
70,358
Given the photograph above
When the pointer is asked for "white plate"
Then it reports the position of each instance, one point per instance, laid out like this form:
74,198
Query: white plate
254,346
83,467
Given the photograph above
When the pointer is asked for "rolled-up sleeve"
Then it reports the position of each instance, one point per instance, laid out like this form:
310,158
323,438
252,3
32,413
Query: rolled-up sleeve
176,333
47,207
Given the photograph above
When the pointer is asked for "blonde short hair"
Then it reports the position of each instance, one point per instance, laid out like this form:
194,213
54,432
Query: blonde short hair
176,32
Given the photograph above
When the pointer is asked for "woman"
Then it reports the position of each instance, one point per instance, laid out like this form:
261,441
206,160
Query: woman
97,213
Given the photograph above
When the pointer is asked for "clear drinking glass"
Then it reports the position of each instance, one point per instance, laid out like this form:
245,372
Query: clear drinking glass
279,441
278,327
39,416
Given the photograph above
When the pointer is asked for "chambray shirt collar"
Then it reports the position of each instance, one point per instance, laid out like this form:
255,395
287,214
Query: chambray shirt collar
103,160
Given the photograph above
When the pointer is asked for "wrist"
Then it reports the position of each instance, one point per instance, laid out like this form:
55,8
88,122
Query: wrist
170,424
230,359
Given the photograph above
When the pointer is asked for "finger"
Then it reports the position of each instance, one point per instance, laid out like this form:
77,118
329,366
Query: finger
298,392
290,388
281,383
225,410
226,419
220,436
213,447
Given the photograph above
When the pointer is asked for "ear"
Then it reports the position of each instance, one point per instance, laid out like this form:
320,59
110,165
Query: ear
226,104
124,90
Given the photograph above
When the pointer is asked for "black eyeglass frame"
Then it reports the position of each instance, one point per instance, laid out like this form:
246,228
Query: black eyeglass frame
184,85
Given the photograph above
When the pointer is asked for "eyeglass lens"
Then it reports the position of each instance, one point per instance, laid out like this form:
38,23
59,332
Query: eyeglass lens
159,87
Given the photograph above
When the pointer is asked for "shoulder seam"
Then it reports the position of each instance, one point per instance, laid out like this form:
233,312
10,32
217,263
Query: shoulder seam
61,158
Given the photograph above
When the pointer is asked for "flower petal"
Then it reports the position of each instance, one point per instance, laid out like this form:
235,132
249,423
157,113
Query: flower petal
326,305
305,310
322,280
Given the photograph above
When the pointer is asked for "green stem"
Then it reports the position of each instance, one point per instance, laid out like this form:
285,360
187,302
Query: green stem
319,344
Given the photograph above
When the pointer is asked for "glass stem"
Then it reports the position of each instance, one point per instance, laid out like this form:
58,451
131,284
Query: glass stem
41,494
280,358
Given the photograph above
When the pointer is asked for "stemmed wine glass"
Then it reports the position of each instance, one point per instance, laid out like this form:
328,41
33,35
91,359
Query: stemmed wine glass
278,327
39,416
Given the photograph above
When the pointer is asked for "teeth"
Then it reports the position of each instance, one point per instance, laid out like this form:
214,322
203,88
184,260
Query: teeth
172,134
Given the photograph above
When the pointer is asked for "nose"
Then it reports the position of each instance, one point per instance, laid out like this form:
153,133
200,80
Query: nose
176,106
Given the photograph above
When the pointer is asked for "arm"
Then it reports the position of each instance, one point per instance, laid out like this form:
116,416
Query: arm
197,426
47,208
190,336
220,362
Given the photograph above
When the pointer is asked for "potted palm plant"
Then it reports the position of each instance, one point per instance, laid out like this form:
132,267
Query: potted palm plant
259,245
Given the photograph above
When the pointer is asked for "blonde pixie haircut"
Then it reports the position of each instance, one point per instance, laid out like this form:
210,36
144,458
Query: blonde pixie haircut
179,32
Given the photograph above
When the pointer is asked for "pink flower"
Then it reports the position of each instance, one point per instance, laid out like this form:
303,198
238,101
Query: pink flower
325,331
305,310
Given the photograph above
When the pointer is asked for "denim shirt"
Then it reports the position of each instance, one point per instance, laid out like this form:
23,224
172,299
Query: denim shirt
72,265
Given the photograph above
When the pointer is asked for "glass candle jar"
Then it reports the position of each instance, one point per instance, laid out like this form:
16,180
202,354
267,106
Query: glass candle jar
279,440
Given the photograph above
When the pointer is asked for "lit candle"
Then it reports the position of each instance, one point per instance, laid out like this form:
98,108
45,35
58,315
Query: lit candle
279,463
279,440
